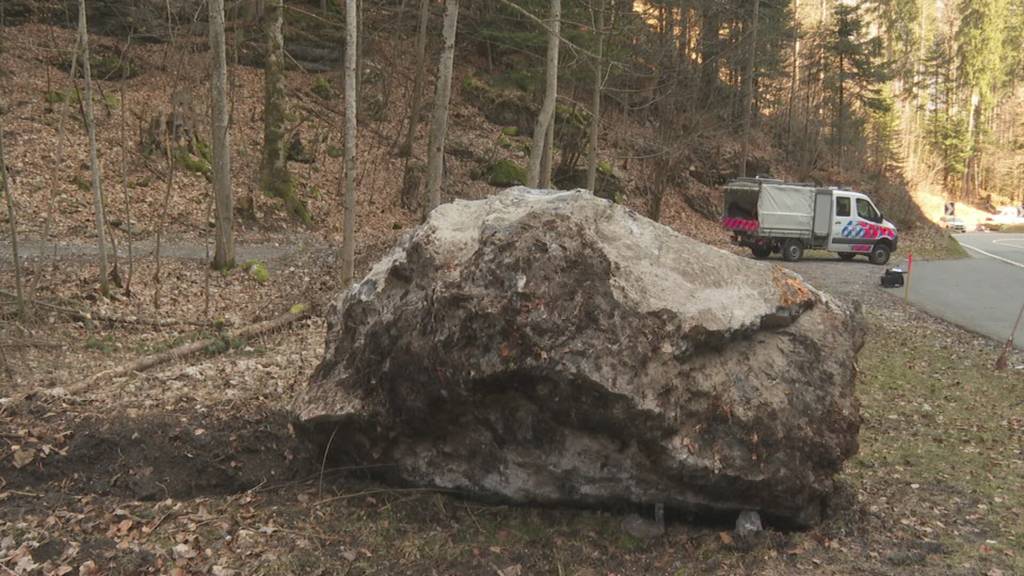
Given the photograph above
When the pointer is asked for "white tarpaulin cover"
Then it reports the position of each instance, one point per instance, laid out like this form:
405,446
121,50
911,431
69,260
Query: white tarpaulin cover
786,207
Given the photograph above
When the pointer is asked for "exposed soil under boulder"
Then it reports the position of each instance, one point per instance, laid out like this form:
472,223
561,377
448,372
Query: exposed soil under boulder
558,348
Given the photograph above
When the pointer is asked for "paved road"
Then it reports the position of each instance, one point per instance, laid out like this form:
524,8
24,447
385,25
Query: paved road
983,293
31,248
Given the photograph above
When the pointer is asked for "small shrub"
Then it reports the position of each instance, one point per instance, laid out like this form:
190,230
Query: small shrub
322,88
81,182
105,344
54,97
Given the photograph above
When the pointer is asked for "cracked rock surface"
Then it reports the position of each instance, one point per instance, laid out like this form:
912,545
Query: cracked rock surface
553,347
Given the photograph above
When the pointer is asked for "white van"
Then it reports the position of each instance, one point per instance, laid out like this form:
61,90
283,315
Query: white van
772,216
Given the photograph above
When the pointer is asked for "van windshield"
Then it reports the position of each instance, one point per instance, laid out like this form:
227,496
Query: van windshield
866,211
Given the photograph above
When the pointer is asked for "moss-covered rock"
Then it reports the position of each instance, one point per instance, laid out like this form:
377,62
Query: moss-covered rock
194,163
105,63
503,173
609,185
504,107
257,270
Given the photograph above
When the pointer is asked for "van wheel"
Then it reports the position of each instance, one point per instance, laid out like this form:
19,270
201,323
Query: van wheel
879,254
761,251
847,255
792,250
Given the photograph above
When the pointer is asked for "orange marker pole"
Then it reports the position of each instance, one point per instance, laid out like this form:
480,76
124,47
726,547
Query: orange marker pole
910,268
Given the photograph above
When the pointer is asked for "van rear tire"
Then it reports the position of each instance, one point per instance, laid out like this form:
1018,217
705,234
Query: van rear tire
761,251
792,250
880,254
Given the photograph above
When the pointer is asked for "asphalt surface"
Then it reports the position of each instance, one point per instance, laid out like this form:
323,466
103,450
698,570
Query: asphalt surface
983,293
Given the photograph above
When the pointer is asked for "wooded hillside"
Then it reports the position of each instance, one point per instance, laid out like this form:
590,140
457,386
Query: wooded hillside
655,104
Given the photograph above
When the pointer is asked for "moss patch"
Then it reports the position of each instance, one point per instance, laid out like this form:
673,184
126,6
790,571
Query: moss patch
257,270
504,173
195,164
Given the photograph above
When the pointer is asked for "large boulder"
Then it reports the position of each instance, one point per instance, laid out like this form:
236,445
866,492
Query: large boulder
558,348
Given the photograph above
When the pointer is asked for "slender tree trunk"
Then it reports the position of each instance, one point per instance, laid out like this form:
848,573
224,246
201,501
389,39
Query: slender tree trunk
124,178
442,96
421,72
748,97
549,152
360,41
348,247
157,278
13,221
94,162
841,115
711,23
224,251
795,79
547,111
276,178
595,116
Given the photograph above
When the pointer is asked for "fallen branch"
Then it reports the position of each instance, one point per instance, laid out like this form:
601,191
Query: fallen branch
133,320
47,305
297,312
28,343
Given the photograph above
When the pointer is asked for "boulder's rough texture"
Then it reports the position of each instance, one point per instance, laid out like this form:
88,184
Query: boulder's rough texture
555,347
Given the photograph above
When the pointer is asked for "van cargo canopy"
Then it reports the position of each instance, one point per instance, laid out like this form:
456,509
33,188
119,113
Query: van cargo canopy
786,207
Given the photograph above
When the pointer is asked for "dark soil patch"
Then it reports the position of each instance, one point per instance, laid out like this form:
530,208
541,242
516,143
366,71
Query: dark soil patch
160,455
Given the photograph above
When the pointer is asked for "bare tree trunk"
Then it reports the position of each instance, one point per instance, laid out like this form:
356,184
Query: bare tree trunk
442,96
360,41
13,221
348,247
276,178
549,153
748,103
795,79
547,111
417,87
224,251
124,179
595,116
157,280
94,161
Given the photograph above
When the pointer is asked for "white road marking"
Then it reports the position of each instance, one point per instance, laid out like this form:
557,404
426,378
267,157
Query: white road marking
991,255
1007,242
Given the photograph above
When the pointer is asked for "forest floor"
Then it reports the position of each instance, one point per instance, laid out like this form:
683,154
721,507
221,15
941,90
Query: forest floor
191,468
